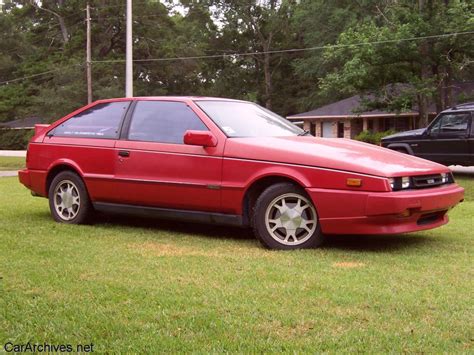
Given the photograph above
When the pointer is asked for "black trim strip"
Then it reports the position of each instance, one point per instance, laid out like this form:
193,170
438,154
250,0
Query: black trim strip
172,214
126,121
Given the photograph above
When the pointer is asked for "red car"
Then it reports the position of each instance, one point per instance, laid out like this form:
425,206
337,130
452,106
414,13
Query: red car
231,162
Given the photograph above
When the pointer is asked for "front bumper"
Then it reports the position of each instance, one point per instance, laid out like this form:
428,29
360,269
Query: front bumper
362,212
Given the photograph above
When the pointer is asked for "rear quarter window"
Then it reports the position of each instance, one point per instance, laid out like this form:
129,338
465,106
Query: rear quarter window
100,121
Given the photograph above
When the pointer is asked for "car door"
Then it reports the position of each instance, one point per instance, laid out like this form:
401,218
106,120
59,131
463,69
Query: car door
86,141
155,168
446,140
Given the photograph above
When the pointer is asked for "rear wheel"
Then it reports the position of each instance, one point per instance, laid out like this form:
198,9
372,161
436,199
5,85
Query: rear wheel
285,218
68,199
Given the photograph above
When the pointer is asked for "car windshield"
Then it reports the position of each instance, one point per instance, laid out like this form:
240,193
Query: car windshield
246,119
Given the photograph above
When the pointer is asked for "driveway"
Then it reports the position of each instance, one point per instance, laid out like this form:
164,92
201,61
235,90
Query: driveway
8,173
12,153
468,170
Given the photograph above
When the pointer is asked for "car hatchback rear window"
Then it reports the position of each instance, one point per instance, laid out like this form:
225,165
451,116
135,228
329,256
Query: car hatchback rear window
99,121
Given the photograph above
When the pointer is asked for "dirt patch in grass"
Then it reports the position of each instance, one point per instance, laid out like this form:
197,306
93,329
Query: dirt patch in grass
348,265
167,250
276,328
163,249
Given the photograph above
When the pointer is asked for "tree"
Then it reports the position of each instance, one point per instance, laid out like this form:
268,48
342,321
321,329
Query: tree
423,69
259,27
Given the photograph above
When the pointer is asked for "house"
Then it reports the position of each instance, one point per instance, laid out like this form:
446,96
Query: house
339,120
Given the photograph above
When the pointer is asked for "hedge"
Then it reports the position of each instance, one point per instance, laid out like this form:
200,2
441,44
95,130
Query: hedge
373,137
15,139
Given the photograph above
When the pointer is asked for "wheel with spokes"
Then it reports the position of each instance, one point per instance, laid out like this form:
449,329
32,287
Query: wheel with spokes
285,218
68,198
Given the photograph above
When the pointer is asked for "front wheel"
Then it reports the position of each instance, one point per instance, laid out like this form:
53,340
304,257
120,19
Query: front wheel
68,199
285,218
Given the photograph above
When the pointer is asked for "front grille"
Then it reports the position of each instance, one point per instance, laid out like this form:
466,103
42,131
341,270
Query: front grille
422,182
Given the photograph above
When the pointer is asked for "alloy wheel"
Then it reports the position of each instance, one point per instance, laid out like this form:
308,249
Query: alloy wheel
291,219
67,200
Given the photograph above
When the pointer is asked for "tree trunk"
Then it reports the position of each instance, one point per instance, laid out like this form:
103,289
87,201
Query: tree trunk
439,97
268,81
424,76
422,110
448,87
64,30
62,24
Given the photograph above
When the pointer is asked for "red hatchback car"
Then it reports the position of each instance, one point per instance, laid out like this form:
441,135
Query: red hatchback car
230,162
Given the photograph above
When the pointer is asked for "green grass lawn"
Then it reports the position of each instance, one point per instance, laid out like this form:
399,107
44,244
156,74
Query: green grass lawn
139,285
12,163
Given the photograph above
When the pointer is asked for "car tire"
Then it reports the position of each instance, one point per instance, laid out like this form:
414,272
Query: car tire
285,218
69,201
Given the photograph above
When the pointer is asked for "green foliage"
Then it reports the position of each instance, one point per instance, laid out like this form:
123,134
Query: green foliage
50,37
423,70
373,137
15,139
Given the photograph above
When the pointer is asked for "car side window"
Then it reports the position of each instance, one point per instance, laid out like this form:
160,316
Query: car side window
451,124
100,121
163,122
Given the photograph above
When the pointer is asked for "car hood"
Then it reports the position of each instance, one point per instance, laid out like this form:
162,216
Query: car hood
331,153
412,133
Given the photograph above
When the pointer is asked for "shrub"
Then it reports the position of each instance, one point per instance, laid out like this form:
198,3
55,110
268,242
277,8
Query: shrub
15,139
373,137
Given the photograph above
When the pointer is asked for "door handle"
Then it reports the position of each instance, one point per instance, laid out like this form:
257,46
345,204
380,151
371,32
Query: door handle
124,153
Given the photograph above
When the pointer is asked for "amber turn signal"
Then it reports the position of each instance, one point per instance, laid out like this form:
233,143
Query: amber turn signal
354,182
405,213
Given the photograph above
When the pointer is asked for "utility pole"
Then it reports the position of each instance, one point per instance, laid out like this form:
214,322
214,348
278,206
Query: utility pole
129,53
88,55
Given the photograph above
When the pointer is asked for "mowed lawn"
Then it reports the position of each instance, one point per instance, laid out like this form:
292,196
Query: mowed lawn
12,163
142,285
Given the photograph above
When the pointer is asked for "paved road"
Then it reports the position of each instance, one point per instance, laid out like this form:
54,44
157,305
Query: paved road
12,153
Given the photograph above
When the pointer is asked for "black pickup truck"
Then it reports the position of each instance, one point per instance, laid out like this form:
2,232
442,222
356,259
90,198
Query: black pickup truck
449,139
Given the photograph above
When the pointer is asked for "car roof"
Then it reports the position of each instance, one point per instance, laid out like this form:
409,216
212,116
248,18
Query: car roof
168,98
468,106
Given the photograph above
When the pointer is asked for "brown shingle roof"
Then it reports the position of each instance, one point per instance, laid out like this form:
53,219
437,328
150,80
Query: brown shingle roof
342,108
348,107
24,123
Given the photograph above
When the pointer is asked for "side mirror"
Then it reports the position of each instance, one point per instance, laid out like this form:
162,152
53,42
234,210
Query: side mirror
202,138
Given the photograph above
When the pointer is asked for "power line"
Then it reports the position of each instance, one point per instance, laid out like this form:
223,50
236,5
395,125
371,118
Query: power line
292,50
253,53
35,75
124,5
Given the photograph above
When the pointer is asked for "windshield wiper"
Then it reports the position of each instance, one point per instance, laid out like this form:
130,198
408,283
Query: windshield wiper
304,133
